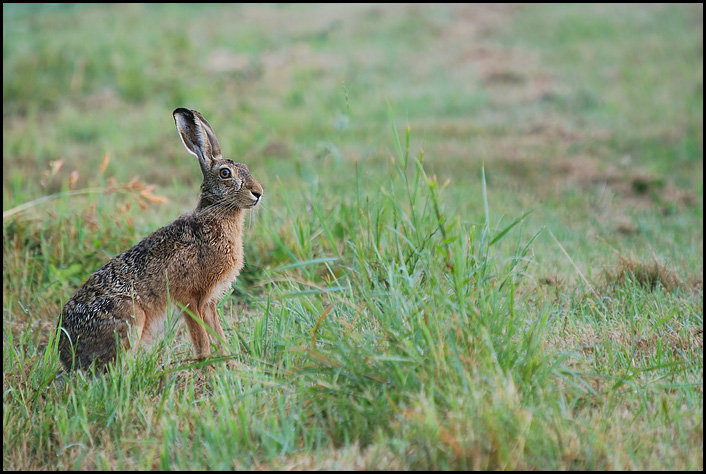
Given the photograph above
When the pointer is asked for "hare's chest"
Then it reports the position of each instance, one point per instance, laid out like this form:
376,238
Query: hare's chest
224,277
224,285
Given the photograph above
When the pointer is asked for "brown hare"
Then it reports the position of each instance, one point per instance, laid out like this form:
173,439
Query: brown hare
193,261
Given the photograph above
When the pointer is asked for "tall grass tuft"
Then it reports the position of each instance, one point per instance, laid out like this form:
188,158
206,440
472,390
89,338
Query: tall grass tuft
422,319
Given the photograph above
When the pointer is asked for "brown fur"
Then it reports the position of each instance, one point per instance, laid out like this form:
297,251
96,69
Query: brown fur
193,261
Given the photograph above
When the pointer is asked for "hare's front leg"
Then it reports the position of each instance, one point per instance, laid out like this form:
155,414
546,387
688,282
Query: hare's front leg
211,318
197,331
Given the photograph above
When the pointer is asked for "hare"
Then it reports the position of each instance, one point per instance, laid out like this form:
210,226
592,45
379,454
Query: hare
193,261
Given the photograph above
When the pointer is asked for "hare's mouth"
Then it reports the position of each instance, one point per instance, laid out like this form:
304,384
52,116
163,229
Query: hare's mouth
256,200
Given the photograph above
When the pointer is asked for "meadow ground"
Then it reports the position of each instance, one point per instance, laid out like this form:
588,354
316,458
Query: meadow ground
480,246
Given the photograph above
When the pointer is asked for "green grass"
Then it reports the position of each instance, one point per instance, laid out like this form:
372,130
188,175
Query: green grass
480,245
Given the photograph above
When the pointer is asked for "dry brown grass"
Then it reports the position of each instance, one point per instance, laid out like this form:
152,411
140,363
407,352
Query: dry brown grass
650,274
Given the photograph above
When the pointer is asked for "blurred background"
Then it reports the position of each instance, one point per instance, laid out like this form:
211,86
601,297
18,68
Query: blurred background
590,116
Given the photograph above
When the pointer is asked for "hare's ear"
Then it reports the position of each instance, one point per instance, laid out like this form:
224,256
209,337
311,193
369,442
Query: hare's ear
198,136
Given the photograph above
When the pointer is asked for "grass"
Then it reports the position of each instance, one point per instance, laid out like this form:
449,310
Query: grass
480,245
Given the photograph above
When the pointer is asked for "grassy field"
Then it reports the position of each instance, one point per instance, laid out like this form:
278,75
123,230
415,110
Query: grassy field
480,246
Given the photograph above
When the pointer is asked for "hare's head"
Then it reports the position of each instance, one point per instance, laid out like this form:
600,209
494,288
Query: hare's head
226,184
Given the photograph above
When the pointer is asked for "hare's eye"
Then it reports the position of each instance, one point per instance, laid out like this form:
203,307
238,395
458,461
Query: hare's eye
225,173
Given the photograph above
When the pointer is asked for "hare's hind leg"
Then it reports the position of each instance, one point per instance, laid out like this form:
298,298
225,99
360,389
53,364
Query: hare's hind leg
147,328
89,332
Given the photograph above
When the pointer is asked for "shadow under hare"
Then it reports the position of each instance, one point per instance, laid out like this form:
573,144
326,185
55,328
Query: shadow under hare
193,261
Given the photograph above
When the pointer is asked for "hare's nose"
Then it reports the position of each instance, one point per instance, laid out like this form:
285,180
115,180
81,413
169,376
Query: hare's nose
256,194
